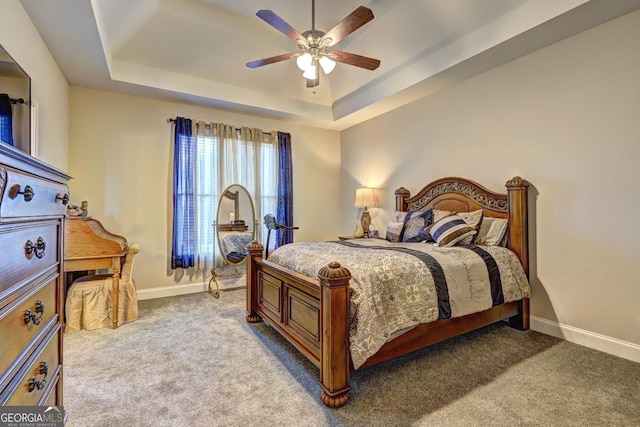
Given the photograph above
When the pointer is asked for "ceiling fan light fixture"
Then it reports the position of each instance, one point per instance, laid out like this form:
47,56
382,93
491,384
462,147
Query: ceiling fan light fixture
327,64
310,73
304,61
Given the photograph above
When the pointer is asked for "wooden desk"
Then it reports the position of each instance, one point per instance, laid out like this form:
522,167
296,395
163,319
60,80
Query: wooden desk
89,246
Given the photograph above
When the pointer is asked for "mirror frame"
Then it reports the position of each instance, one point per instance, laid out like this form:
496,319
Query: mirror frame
218,223
10,69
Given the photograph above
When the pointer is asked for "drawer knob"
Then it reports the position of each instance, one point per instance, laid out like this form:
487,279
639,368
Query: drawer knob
64,199
38,249
36,317
34,384
27,193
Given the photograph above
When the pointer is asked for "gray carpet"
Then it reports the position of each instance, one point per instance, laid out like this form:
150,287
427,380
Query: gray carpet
192,360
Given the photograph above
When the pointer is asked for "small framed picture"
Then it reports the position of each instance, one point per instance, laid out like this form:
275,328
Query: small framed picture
373,234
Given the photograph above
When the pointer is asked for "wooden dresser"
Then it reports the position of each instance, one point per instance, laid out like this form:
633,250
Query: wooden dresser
33,198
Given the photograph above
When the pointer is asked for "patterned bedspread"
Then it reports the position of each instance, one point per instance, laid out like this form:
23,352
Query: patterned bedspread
396,286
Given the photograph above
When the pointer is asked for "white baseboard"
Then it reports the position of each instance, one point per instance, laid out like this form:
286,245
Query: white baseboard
171,291
613,346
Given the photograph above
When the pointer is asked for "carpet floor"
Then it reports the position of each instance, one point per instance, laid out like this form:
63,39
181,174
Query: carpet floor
193,360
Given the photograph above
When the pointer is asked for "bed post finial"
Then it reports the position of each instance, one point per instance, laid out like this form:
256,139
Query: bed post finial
334,341
401,195
255,252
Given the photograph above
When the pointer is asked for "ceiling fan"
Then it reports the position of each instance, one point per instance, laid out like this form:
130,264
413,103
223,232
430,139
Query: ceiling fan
314,45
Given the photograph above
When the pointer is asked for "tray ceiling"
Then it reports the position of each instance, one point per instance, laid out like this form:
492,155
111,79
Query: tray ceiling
195,51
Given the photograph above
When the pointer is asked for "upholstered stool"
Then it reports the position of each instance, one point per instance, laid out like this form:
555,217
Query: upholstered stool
89,302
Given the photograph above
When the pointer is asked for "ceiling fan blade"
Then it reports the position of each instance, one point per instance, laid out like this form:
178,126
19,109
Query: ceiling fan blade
279,24
271,60
348,25
353,59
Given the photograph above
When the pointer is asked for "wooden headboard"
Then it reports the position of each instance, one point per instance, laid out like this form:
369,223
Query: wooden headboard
463,195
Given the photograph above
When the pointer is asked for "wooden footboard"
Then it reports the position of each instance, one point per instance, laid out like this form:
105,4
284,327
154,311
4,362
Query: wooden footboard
312,315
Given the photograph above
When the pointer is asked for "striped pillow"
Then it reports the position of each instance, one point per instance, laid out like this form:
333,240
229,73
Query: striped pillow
450,230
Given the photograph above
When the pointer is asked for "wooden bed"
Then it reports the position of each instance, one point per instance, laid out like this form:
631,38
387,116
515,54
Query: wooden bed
313,315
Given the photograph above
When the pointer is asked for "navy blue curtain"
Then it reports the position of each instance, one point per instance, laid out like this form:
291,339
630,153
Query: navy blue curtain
183,237
6,119
285,188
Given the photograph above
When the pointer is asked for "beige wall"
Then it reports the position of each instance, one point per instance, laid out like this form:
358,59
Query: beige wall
121,161
49,88
566,118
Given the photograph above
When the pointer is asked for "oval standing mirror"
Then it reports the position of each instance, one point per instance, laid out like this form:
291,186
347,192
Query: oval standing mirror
235,223
15,99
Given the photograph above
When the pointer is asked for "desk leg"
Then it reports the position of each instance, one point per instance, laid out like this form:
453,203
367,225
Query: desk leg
115,297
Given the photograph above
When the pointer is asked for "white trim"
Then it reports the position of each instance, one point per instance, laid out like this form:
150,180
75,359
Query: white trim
589,339
33,149
171,291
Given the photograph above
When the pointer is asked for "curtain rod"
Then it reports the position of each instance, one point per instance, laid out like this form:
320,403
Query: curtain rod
237,129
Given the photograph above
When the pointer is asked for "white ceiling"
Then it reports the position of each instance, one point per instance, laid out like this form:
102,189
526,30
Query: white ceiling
195,50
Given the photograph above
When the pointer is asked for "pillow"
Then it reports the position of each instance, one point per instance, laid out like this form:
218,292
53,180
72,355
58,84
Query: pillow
438,214
415,227
492,231
400,216
450,230
473,219
394,231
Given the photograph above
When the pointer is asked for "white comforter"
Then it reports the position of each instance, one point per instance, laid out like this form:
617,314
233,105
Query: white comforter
393,291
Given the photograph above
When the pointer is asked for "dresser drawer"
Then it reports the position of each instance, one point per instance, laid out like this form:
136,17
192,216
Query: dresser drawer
26,250
26,195
38,308
34,383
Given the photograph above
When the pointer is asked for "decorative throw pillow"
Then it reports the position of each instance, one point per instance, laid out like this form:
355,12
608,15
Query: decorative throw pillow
492,231
415,227
394,231
450,230
473,219
402,216
438,214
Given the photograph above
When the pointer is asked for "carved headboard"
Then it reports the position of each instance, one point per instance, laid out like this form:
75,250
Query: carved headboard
463,195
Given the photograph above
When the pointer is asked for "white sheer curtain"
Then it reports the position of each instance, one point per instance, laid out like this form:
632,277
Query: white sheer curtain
225,156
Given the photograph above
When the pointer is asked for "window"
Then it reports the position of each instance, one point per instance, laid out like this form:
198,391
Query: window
213,156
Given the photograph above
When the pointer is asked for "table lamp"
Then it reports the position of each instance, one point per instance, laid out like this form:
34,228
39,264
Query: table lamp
365,197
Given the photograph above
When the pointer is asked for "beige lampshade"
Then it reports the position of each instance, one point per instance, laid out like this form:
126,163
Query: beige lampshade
364,197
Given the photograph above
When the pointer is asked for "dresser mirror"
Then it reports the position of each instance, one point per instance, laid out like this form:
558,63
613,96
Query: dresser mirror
15,101
235,224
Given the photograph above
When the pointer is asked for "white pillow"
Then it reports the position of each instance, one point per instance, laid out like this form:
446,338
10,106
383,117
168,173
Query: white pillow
473,219
491,232
399,216
438,214
450,230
